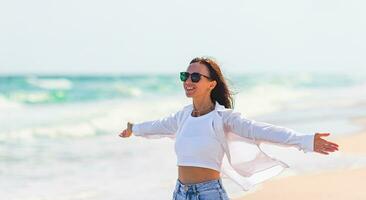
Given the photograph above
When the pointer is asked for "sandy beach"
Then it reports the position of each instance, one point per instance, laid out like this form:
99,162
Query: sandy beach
340,184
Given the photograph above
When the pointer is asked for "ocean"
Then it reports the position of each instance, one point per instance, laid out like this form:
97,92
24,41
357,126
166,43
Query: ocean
59,133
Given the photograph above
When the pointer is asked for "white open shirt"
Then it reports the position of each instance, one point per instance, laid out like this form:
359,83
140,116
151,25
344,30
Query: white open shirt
245,164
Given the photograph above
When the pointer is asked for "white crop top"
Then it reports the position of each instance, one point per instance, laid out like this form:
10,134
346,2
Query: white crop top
196,144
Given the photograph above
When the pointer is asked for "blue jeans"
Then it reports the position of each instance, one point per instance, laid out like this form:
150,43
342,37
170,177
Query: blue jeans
208,190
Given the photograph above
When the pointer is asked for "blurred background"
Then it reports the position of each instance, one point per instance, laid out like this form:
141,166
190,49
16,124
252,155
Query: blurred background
72,73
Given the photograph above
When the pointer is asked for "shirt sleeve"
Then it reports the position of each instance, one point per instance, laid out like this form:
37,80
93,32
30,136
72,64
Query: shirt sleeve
262,131
165,126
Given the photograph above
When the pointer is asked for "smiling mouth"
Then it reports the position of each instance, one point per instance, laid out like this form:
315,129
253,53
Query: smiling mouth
189,89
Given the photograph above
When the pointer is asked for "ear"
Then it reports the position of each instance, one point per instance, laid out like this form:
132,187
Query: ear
213,84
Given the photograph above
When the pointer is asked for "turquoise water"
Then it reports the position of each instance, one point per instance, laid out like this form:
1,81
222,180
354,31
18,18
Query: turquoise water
86,88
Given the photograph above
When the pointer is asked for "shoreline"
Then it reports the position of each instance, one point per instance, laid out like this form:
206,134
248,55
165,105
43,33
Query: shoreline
338,184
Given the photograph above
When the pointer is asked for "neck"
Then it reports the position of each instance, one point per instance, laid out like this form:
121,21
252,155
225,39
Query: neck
202,106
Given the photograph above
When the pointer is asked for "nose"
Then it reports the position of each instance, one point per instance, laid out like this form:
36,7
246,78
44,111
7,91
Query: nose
189,81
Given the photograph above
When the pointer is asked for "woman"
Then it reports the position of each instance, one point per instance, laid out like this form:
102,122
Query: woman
204,129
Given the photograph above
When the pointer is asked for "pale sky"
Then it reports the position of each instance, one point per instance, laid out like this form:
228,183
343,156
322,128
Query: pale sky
88,36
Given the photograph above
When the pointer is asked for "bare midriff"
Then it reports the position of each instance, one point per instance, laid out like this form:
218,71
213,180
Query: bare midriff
192,175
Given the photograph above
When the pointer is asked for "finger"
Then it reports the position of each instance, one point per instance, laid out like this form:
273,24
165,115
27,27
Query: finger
329,149
323,152
322,142
323,134
331,145
319,133
123,134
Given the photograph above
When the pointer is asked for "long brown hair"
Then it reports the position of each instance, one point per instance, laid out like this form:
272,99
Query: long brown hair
221,92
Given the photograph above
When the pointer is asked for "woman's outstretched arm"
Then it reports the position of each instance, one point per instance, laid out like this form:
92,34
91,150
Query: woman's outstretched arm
277,134
165,126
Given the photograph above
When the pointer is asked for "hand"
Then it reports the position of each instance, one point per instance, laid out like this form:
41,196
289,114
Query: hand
128,131
323,146
125,133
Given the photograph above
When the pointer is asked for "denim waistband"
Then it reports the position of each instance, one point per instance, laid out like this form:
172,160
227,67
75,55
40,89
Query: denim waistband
199,187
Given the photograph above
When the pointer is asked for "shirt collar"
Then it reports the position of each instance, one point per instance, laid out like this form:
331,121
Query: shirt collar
218,107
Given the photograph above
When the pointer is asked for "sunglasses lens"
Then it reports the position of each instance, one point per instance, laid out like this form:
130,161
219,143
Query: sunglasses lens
183,76
195,77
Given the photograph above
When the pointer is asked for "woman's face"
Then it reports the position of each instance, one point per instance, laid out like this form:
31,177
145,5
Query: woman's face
203,87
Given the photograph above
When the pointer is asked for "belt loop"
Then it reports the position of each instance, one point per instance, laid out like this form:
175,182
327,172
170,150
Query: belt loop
179,185
220,183
194,187
186,188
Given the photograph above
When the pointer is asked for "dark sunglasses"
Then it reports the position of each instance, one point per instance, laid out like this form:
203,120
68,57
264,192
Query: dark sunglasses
195,76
